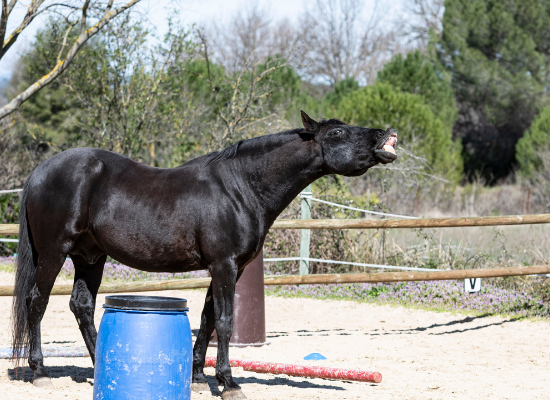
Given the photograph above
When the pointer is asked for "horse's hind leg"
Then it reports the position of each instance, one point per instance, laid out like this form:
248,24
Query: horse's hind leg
48,268
87,279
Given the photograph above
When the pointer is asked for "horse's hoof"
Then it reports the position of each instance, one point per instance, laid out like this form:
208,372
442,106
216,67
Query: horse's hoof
234,394
44,382
200,387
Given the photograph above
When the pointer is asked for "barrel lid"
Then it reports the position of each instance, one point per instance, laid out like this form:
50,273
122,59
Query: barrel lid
146,303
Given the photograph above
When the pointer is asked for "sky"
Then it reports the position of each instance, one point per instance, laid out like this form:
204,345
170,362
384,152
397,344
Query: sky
192,11
157,11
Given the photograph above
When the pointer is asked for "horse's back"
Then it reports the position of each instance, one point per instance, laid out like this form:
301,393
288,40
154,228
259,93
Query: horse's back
63,185
68,170
107,203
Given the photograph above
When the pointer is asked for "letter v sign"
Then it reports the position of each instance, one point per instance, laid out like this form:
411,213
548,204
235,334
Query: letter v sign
472,285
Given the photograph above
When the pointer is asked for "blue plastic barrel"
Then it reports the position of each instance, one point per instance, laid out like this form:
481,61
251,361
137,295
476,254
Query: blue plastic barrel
143,350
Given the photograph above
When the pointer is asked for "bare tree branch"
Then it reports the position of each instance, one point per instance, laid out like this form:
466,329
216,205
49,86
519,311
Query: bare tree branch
151,95
209,79
32,12
84,16
342,44
244,40
427,19
246,86
109,6
3,22
252,37
62,65
64,44
11,5
29,16
411,165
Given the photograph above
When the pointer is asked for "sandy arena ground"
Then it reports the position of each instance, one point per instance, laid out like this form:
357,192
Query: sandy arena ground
421,354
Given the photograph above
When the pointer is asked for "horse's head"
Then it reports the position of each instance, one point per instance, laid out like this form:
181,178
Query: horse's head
351,150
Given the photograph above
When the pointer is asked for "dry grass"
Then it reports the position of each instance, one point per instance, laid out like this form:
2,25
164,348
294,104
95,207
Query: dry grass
446,248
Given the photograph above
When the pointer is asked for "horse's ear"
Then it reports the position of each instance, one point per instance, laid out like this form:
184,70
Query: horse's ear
309,124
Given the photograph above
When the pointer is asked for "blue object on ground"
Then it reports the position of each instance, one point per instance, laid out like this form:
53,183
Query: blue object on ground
315,356
144,349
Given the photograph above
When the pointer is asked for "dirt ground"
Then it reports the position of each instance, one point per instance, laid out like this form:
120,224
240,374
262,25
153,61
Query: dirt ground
421,354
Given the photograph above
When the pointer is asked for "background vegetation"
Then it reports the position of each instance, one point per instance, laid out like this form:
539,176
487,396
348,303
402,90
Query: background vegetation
464,82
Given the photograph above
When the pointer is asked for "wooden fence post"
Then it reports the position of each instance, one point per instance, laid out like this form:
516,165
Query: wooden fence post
305,233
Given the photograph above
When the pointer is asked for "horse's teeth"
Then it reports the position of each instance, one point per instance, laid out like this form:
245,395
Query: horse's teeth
389,148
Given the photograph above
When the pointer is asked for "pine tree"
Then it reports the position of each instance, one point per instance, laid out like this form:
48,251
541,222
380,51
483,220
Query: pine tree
535,143
497,53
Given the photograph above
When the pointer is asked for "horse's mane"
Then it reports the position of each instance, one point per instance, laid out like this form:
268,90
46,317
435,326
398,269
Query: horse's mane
230,152
226,154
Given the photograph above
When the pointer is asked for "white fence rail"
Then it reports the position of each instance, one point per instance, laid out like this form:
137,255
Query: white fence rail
10,191
357,209
349,263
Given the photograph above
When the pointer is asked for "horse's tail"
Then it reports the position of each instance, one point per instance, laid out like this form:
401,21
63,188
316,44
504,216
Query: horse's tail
24,281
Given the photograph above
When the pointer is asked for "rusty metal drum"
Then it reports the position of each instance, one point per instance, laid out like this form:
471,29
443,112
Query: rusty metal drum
249,310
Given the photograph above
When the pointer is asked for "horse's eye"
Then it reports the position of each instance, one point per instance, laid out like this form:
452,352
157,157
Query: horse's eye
337,132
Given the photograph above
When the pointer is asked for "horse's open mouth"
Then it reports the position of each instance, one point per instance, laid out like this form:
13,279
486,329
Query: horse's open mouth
386,152
389,145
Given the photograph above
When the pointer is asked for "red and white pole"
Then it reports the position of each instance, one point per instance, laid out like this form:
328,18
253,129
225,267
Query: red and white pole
263,367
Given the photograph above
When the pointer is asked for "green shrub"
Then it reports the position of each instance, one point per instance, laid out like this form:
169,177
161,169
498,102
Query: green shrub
418,73
341,89
535,140
381,106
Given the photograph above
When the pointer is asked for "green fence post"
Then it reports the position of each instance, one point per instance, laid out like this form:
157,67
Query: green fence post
305,233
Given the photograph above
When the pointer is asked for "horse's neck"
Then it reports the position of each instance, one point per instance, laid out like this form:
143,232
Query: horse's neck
279,175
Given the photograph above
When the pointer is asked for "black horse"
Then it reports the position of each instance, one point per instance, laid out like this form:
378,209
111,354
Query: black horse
211,213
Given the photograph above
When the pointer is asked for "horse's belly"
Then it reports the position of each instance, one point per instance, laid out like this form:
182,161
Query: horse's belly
156,266
152,254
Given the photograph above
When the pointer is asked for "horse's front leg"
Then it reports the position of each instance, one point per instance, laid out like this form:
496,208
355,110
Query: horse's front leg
224,279
200,383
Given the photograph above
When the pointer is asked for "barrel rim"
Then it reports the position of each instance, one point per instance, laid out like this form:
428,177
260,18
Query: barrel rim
145,303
